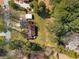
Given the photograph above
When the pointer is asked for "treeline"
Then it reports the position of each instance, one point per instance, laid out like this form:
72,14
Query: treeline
66,14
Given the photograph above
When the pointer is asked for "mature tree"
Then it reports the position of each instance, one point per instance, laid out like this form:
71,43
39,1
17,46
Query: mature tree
67,13
43,12
12,4
16,44
34,5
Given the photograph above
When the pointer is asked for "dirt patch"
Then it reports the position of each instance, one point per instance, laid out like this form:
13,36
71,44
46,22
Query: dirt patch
63,56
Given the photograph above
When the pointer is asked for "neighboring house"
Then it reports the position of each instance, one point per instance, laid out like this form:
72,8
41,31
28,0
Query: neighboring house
21,3
72,40
36,55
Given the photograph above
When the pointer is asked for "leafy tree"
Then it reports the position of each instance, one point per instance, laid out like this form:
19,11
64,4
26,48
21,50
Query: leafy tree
12,4
43,12
34,5
40,8
25,47
35,47
61,48
65,13
16,44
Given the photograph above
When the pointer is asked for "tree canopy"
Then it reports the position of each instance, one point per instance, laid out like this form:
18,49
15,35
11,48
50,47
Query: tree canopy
67,15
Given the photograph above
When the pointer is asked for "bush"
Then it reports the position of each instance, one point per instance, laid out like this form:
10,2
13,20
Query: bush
12,4
71,54
25,47
16,44
34,5
35,47
3,52
61,48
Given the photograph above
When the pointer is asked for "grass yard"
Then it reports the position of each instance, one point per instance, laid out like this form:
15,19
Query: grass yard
43,35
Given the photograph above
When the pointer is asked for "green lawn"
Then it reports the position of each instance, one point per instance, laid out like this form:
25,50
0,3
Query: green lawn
43,35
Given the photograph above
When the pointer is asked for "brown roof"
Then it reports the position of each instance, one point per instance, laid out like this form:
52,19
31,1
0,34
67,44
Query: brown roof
30,30
1,2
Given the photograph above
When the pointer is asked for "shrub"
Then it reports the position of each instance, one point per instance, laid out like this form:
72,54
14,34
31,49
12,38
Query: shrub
61,48
71,54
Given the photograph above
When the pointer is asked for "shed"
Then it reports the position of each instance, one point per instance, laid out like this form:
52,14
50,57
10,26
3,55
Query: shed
28,16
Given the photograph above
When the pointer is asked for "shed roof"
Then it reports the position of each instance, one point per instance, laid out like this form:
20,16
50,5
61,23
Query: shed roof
28,16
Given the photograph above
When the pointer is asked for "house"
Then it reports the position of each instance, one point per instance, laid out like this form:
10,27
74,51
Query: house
30,31
36,55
